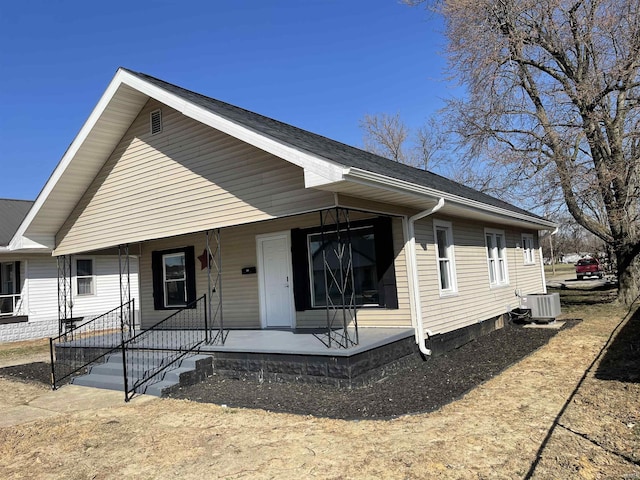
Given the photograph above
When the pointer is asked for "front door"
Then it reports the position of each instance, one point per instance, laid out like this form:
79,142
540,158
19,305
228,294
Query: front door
274,275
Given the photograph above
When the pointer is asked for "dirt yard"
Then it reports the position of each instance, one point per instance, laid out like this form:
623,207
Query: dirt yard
552,415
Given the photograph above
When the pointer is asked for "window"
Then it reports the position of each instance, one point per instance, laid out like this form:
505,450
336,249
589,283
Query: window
444,255
174,276
373,266
174,283
363,251
527,249
10,288
496,257
7,278
84,276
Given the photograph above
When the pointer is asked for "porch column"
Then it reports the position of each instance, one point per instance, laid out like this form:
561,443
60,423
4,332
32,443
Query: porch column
339,283
214,324
126,315
65,293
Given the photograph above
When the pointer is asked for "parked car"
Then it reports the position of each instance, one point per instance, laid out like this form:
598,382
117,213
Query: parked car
589,267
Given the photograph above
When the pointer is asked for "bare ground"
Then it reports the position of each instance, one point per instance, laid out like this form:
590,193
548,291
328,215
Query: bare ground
540,418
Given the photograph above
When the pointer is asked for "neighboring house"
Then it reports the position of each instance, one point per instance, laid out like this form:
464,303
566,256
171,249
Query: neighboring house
29,282
571,257
162,170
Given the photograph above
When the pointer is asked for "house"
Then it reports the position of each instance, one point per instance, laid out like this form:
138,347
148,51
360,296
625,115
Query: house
278,228
29,282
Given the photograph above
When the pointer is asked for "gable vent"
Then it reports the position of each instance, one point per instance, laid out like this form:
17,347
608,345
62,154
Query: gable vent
156,122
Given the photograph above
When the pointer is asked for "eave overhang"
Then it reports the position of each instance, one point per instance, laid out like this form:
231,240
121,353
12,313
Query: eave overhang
454,204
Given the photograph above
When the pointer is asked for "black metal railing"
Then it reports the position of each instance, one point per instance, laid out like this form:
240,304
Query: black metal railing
148,355
90,342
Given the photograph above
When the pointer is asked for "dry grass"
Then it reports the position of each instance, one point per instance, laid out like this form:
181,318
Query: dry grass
14,353
495,431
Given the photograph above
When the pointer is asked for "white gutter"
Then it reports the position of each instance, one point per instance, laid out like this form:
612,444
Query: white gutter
544,277
414,281
364,177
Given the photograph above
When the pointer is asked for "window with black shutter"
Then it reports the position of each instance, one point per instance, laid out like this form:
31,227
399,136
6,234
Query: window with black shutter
174,278
373,265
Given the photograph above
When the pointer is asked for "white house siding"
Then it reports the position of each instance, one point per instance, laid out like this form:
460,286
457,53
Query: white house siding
475,299
39,276
240,293
188,178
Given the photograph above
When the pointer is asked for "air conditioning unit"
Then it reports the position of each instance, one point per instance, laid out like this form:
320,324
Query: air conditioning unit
542,306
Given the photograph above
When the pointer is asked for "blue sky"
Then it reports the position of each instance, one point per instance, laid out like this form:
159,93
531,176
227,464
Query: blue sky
317,64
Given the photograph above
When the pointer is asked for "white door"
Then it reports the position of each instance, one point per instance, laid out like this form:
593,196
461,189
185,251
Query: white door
274,274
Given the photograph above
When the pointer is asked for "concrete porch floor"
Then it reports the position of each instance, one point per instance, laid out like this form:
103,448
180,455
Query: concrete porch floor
302,342
290,342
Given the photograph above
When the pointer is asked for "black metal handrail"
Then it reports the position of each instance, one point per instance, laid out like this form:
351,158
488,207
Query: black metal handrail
89,342
147,355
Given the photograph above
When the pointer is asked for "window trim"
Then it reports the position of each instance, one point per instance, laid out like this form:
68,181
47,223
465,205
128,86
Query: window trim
166,281
92,277
447,227
501,256
528,251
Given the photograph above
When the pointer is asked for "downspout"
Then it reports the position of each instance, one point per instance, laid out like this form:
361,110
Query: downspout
414,281
544,277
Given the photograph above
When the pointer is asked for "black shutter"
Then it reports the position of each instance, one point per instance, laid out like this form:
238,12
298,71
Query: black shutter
190,266
300,261
158,287
17,288
385,255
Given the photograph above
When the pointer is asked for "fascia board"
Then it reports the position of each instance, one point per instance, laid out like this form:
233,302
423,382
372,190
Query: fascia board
381,181
313,163
70,153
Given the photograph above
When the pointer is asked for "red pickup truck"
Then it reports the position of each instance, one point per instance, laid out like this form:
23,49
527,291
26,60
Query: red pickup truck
589,267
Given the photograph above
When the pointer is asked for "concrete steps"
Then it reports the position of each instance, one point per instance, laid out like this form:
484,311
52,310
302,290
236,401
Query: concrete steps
109,375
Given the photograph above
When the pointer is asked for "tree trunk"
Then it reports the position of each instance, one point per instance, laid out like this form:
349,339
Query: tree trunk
628,271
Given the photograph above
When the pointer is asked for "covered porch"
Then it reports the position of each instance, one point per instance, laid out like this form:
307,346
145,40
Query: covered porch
331,271
268,355
311,297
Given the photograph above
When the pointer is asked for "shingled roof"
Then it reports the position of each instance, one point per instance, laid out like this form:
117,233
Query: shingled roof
12,212
339,153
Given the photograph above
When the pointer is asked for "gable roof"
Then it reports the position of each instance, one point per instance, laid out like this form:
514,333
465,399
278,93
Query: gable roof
340,153
327,164
12,212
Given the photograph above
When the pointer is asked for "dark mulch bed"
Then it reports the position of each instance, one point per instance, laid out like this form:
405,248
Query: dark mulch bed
38,372
420,386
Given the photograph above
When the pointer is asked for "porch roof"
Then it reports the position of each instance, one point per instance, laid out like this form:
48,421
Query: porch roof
327,164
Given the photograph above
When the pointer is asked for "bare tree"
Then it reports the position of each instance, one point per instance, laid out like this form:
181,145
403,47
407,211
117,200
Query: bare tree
430,141
553,88
388,136
385,135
